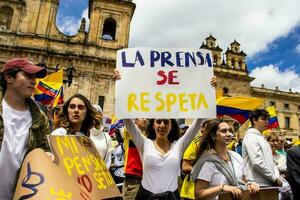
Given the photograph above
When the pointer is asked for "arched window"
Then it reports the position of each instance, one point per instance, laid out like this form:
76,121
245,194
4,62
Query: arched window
109,29
240,64
6,15
232,62
215,59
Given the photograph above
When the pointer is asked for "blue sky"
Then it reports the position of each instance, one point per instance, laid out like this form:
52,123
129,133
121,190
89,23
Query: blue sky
268,31
284,51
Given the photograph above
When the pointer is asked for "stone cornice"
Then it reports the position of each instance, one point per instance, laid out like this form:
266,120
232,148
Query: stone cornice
234,75
56,54
275,94
81,48
217,48
224,70
241,53
65,40
16,1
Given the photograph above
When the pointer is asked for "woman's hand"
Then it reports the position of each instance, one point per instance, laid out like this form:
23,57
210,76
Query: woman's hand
51,156
235,191
213,81
117,74
253,188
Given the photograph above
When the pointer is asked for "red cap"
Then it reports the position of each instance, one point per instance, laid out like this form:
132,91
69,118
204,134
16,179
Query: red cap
25,65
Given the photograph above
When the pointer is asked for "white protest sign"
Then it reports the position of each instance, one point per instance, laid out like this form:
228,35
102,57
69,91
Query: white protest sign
165,83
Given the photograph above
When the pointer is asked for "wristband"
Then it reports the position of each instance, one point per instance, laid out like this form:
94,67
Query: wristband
222,188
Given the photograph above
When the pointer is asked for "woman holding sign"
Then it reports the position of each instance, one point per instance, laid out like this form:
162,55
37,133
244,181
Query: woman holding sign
79,117
218,169
161,153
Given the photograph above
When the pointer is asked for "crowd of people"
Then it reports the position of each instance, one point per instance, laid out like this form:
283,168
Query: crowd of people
153,158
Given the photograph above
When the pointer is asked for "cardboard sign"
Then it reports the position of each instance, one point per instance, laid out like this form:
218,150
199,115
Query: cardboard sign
40,179
165,83
78,172
78,158
263,194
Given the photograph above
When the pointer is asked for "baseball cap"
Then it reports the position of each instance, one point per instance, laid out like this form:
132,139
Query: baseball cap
25,65
183,126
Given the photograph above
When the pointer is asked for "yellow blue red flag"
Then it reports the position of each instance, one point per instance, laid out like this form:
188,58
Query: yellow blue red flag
273,121
238,107
49,90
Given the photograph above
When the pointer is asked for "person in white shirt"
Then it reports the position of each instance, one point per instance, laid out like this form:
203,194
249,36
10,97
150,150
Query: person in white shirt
218,169
23,127
78,117
161,154
257,152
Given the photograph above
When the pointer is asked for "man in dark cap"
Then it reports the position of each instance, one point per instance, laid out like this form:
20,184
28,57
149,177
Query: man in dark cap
23,127
183,128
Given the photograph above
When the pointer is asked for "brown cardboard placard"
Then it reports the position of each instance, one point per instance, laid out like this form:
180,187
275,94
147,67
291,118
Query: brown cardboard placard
78,158
40,179
78,172
264,193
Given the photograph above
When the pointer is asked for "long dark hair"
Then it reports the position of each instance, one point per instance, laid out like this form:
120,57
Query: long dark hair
172,136
92,118
209,136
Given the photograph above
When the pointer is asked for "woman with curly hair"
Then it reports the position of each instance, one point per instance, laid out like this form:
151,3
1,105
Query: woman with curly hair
78,117
218,169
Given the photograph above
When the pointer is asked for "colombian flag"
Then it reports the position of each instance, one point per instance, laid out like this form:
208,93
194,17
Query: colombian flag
49,90
273,121
238,107
118,124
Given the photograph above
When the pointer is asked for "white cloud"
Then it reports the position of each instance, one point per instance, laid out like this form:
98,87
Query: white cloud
70,25
297,48
85,14
254,24
271,76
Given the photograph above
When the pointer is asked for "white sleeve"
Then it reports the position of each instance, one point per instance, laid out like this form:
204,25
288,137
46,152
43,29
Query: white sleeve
135,133
207,171
59,131
257,160
109,150
190,134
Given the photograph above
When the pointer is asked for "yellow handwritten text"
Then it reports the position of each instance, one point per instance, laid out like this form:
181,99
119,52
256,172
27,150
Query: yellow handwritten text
68,143
61,195
83,165
184,102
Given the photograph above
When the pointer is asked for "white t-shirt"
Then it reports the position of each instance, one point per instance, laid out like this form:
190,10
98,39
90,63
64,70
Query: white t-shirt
102,142
118,153
14,147
160,172
214,177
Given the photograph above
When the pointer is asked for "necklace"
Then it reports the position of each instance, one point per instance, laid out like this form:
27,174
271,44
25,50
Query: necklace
226,158
162,148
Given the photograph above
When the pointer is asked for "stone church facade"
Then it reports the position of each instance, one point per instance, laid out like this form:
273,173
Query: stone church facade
233,75
28,29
